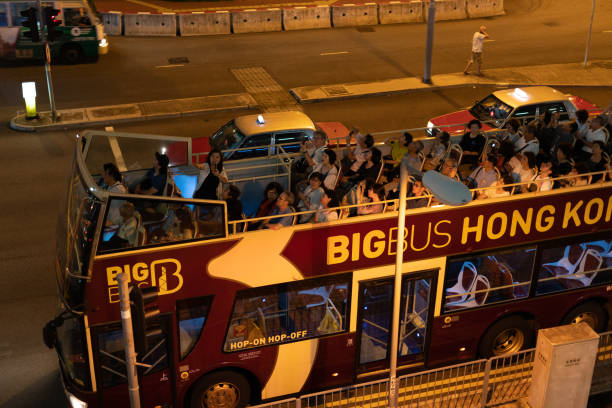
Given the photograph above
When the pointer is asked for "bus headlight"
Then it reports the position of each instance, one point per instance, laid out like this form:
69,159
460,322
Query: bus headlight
103,43
75,402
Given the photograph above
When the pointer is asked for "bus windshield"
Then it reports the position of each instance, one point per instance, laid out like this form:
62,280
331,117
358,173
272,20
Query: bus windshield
73,350
76,227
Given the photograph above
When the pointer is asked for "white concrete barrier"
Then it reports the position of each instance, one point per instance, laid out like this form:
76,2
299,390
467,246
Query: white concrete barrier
143,24
400,12
257,20
447,10
350,15
112,22
485,8
303,18
200,23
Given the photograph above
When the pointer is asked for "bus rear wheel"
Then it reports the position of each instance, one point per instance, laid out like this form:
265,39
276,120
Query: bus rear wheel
590,313
509,335
223,389
71,54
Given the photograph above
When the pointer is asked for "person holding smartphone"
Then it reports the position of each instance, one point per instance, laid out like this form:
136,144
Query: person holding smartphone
211,178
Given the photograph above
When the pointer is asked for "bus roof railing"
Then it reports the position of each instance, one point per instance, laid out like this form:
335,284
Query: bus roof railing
233,226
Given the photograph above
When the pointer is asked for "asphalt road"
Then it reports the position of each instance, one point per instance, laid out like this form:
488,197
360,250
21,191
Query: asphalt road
37,163
137,69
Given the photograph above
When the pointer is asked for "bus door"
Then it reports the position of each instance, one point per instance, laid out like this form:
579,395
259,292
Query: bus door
155,382
374,321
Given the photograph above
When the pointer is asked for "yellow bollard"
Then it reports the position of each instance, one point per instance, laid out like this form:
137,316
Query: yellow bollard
29,94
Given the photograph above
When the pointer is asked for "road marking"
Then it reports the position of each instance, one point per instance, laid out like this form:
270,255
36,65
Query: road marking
269,94
114,145
170,66
607,31
150,5
333,53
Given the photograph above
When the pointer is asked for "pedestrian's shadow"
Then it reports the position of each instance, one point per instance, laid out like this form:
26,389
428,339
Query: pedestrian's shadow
46,392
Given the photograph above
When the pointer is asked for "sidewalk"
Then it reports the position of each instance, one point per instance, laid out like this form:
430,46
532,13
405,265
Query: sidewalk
599,73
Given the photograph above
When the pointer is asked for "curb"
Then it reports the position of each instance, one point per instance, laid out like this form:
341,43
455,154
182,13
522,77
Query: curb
18,122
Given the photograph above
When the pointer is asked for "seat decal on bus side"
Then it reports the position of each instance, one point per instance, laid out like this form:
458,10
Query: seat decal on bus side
262,254
292,368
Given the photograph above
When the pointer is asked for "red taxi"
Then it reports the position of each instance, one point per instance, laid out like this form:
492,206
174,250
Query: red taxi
520,103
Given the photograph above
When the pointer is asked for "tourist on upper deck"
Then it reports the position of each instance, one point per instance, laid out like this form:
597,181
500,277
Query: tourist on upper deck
112,179
369,168
328,169
503,188
437,151
512,133
283,203
271,193
355,157
231,195
483,175
584,143
211,178
413,158
522,169
313,151
528,142
418,190
563,163
543,179
127,233
374,194
310,198
399,148
596,162
449,168
326,211
472,143
112,182
156,178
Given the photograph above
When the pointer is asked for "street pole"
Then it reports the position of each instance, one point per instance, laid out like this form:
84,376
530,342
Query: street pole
588,44
43,37
397,292
128,339
431,18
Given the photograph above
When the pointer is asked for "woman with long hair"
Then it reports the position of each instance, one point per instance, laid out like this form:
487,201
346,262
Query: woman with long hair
211,178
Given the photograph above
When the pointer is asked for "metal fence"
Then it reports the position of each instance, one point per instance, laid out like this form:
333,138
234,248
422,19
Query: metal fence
481,383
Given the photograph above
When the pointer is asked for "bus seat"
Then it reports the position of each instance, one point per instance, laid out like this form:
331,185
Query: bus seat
465,282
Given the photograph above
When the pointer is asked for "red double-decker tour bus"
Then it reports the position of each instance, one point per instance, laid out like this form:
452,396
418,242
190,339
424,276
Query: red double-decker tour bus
259,315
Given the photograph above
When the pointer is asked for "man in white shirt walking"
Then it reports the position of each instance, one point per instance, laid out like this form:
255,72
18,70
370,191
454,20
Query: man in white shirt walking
477,40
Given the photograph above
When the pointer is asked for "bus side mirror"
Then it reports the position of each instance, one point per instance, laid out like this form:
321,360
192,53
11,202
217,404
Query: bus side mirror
50,332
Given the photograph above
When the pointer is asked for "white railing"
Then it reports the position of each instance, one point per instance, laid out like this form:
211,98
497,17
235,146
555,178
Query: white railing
481,383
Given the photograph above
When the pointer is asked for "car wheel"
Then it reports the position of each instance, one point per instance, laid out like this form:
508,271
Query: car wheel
223,389
71,54
590,313
507,336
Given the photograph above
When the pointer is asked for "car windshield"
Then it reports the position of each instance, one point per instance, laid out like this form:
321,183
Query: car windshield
490,109
228,137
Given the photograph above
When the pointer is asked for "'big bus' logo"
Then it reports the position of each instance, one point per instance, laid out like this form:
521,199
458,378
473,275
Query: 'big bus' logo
163,273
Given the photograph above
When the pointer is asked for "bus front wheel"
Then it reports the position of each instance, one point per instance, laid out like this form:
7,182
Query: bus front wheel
71,54
223,389
509,335
590,313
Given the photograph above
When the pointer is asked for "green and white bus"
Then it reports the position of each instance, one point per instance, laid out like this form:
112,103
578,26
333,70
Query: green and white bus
82,32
